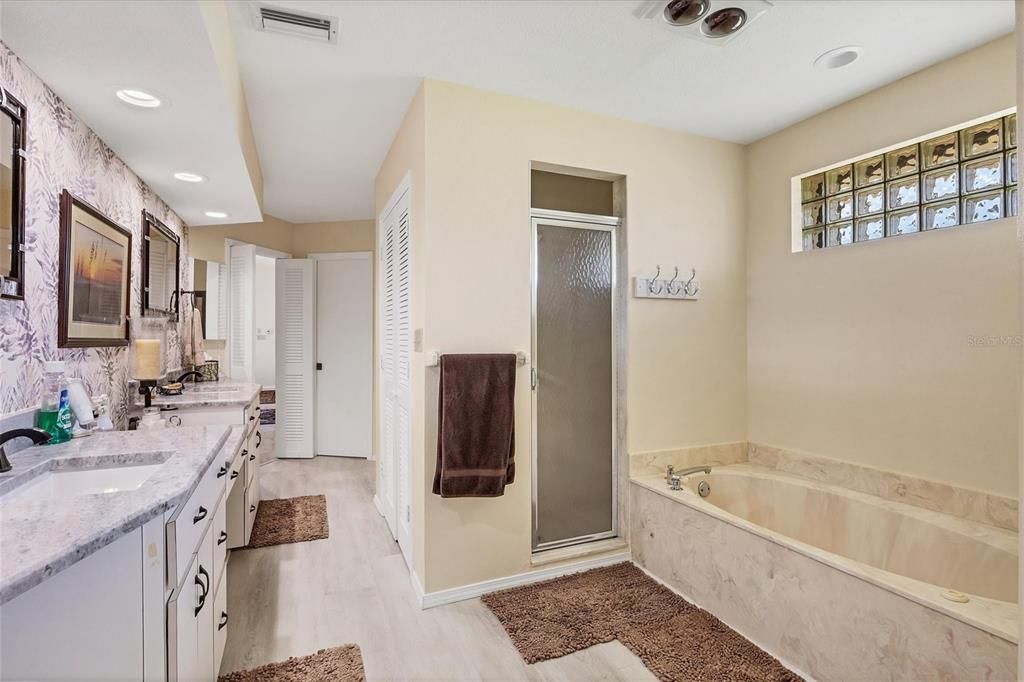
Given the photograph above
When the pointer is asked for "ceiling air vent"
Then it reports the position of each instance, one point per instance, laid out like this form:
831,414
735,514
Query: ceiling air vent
317,27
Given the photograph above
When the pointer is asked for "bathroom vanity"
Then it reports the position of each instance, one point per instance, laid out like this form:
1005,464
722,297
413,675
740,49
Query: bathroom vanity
114,547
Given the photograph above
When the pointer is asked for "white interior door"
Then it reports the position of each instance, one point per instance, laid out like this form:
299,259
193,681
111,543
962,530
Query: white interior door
241,270
396,346
344,354
295,376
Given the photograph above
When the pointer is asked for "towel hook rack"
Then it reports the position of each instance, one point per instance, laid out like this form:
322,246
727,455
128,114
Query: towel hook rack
655,285
434,359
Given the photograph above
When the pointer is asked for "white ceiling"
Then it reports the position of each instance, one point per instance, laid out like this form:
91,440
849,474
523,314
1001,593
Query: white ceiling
324,115
86,50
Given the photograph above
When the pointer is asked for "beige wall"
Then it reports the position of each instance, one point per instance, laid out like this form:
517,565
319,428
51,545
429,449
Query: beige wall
298,239
864,352
686,361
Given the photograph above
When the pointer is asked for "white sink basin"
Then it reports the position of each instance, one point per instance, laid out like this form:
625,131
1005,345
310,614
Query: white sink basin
92,481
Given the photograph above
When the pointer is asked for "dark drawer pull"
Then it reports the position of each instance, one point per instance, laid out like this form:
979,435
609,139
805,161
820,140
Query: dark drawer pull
245,452
259,409
252,457
206,588
220,472
200,516
252,508
223,537
252,417
223,620
259,439
234,475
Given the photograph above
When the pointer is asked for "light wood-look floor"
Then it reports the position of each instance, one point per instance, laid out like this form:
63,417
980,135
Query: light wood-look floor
291,600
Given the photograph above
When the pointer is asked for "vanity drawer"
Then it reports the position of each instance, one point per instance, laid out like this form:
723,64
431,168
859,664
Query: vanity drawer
252,463
190,521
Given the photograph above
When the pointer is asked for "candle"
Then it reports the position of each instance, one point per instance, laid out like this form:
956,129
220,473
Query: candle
147,359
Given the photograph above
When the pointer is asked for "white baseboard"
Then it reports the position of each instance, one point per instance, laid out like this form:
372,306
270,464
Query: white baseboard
431,599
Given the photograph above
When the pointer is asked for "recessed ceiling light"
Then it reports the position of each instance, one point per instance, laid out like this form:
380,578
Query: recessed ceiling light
216,214
685,12
185,176
838,58
724,22
138,98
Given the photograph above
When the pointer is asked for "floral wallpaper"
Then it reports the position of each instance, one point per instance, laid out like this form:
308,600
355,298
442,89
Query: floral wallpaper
64,153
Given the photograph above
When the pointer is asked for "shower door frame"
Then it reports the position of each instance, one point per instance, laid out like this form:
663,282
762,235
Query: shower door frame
585,221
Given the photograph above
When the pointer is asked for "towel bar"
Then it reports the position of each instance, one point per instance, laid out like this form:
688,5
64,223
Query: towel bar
434,358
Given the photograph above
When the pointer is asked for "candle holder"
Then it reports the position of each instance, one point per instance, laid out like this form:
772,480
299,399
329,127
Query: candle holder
148,361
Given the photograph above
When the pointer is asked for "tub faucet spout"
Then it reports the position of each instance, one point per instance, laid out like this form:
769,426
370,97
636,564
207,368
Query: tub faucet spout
675,478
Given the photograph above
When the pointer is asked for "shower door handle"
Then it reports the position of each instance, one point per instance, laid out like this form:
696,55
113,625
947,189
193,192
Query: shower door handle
533,378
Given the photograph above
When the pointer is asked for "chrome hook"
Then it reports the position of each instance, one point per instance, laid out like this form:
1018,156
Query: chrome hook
653,286
668,287
686,287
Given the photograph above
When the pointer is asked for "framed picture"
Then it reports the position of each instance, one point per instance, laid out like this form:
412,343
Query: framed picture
94,277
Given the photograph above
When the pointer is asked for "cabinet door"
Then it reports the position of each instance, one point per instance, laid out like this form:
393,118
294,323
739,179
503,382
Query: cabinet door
220,633
236,511
182,629
252,503
206,617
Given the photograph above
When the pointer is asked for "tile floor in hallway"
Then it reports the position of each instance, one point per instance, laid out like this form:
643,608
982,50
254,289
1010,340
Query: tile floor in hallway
355,587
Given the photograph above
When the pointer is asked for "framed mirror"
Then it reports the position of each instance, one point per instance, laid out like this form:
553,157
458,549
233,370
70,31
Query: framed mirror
161,254
210,296
12,196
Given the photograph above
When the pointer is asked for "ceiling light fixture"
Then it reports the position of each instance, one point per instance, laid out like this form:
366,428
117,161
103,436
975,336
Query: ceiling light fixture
685,12
138,98
185,176
724,22
838,58
216,214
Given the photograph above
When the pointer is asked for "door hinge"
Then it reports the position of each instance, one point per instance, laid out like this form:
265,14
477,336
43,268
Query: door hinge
533,378
408,514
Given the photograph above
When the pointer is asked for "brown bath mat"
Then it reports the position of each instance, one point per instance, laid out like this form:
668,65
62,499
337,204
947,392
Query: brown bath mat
343,663
289,519
675,639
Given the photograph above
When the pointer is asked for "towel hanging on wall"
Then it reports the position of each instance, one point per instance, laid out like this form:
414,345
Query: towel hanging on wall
475,425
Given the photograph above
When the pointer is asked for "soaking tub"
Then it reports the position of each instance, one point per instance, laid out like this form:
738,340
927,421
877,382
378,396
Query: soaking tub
836,583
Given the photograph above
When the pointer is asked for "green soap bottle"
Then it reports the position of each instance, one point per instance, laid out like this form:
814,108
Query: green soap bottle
55,411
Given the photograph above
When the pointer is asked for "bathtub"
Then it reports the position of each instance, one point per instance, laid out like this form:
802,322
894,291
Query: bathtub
836,583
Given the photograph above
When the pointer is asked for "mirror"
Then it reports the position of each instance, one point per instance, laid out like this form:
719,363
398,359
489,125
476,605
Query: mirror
12,196
160,263
210,296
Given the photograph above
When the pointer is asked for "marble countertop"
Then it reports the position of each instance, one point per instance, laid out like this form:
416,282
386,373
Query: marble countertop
39,538
223,393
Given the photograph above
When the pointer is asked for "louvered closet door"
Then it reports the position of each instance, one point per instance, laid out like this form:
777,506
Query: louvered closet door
241,268
394,492
403,349
295,358
386,493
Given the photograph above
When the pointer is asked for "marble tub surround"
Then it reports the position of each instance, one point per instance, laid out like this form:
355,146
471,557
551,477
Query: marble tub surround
223,393
913,552
975,505
39,538
656,461
790,599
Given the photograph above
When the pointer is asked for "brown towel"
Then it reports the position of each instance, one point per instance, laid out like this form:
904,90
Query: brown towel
475,425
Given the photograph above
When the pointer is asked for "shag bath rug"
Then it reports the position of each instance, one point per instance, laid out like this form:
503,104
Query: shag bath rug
343,663
289,519
675,639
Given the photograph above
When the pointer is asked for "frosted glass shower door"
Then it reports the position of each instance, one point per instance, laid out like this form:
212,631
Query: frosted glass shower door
574,390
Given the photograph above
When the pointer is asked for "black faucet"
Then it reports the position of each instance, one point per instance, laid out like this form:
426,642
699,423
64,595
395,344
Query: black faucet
37,436
191,373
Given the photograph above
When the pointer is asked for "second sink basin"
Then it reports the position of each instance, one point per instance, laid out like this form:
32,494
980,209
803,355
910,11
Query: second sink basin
91,481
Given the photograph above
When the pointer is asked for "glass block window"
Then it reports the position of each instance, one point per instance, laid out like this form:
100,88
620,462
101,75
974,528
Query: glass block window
957,178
